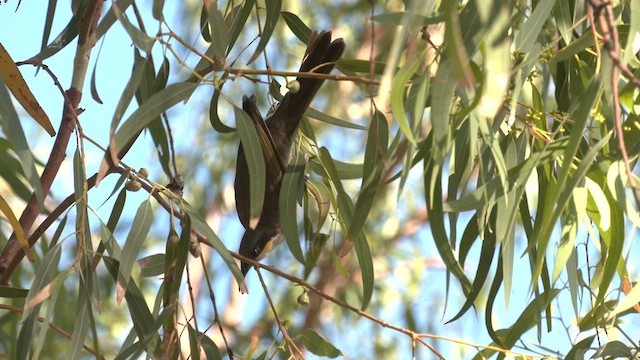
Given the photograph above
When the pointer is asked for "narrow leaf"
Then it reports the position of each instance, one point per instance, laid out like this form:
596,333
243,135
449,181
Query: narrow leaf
14,133
273,13
147,112
289,191
21,91
137,235
299,29
317,345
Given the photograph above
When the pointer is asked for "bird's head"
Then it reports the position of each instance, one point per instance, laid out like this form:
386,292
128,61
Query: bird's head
258,243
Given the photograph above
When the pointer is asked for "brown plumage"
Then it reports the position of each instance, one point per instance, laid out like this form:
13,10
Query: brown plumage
279,129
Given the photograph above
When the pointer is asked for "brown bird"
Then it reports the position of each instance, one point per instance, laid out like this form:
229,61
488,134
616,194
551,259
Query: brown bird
276,134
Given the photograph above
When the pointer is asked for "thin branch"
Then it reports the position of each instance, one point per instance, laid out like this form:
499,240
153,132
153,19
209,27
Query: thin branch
216,316
604,14
270,72
290,342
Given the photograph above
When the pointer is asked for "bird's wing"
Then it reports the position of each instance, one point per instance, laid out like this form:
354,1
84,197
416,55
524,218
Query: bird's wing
274,166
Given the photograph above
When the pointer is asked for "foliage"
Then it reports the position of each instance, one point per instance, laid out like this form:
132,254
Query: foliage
500,135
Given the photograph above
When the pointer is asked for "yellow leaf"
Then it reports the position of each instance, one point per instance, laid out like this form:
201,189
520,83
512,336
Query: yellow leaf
19,88
17,228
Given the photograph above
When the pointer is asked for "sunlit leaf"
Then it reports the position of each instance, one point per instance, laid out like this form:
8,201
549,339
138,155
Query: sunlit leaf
21,91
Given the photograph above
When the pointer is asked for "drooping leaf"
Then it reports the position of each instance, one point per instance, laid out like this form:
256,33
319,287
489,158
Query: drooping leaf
21,91
273,13
137,235
291,187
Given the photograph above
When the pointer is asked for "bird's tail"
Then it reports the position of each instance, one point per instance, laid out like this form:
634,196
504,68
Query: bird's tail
319,58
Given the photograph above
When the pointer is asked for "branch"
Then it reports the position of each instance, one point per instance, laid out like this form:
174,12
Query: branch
13,253
604,14
290,342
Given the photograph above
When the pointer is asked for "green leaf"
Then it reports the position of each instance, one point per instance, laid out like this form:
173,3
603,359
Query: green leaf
291,187
54,290
441,102
317,345
564,21
109,17
326,118
346,171
152,108
44,273
63,39
137,235
219,30
634,28
299,29
152,265
194,342
631,299
203,228
139,70
531,28
210,348
94,87
15,134
552,209
238,23
83,310
251,145
158,5
433,199
376,148
204,24
484,265
11,171
345,211
322,195
273,13
496,55
12,293
51,11
143,322
139,38
614,349
214,118
516,177
400,81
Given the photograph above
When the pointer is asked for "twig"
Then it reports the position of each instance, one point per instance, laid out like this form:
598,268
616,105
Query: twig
216,315
270,72
290,342
192,298
604,14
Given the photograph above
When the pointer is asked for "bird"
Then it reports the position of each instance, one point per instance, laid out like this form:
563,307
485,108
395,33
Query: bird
276,133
